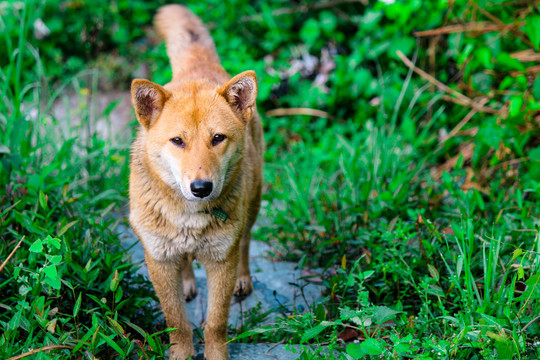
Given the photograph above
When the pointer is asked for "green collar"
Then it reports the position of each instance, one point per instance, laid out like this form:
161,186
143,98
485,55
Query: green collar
217,212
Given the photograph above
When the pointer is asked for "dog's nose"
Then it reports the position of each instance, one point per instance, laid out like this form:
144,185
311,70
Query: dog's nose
201,188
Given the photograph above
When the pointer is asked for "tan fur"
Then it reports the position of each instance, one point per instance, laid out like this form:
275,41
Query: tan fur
200,102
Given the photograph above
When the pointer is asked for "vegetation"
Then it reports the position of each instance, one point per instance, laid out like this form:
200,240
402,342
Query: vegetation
414,187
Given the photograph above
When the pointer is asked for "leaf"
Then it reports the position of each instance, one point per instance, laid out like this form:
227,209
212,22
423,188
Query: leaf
534,154
66,228
372,347
520,272
118,294
383,313
435,290
36,247
532,28
355,350
137,328
116,325
113,344
310,31
457,230
532,292
77,306
536,88
249,333
52,241
433,272
51,272
508,63
514,108
114,281
4,149
313,332
51,326
54,259
459,266
516,253
54,283
42,200
52,277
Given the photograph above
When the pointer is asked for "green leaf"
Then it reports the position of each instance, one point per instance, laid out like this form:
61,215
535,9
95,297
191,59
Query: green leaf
532,28
372,347
54,259
536,88
534,154
66,227
310,31
355,350
116,325
459,266
516,253
137,328
51,272
249,333
383,313
514,109
54,283
328,21
114,281
77,306
36,247
508,63
52,241
367,347
313,332
118,294
113,344
532,292
435,290
42,200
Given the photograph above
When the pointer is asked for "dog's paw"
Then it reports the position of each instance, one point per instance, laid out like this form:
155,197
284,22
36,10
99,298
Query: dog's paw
243,287
190,289
181,352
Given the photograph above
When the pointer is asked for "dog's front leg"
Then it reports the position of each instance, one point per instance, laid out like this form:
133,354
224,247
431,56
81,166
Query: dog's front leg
167,280
221,279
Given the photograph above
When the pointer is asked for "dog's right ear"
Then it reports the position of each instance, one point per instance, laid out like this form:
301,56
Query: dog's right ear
148,99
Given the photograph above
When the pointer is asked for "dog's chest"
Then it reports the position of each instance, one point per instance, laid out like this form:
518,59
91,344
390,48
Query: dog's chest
187,233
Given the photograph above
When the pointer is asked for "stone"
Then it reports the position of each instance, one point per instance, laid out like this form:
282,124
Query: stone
255,352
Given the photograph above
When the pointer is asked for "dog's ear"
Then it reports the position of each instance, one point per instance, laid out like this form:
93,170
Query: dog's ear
241,93
148,99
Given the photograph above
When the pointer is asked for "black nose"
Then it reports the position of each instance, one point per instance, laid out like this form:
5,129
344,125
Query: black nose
201,188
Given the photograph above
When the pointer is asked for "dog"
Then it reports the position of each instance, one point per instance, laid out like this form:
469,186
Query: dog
195,181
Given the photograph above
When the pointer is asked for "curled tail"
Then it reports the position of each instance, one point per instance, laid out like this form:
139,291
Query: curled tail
181,29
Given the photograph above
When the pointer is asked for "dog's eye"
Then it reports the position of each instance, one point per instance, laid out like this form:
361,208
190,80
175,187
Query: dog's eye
217,139
178,142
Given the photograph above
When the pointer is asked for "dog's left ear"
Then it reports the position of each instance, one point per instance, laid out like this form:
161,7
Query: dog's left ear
241,93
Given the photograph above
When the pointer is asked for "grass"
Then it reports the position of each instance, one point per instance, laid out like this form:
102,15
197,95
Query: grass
427,245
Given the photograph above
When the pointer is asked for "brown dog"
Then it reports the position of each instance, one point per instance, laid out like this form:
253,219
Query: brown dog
195,184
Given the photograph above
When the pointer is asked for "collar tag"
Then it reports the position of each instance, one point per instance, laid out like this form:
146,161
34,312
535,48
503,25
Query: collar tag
220,214
217,212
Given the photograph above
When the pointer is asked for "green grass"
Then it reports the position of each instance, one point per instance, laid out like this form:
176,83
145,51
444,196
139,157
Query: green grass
428,245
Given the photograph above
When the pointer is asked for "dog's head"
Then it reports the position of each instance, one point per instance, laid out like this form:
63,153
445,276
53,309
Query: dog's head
196,133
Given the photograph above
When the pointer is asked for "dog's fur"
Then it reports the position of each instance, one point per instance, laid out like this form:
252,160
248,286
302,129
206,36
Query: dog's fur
200,104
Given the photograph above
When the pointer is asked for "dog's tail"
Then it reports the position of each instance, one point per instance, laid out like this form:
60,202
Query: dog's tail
184,31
